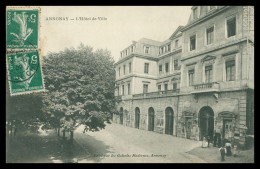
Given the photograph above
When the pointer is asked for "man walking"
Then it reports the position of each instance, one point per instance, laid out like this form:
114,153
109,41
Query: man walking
222,153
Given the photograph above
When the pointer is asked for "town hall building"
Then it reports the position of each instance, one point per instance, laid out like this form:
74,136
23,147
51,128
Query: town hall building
198,83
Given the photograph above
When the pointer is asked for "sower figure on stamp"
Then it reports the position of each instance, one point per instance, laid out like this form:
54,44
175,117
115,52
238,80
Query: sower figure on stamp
21,19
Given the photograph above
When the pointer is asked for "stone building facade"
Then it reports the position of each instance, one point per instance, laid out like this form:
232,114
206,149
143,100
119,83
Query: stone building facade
197,83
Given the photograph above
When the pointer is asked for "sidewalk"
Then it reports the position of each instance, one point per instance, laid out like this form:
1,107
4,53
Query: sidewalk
35,148
212,155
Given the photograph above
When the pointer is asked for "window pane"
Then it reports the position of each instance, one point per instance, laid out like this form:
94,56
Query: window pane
160,68
174,86
175,62
146,67
191,75
192,42
228,73
130,69
210,76
129,90
165,87
232,73
159,87
145,88
231,27
166,67
210,36
194,13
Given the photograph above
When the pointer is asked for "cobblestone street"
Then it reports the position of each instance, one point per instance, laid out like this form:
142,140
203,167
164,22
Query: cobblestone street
129,144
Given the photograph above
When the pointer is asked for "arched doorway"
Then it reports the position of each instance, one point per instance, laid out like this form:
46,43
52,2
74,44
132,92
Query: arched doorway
150,119
137,117
169,121
206,122
121,115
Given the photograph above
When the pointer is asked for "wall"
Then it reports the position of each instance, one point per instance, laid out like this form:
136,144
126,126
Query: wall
138,86
219,23
121,65
139,67
158,104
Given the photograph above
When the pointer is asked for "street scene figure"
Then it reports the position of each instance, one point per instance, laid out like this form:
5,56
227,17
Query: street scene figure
228,149
222,153
208,139
235,151
204,143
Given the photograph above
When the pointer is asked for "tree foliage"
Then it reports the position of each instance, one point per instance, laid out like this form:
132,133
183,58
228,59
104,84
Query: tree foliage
79,88
24,111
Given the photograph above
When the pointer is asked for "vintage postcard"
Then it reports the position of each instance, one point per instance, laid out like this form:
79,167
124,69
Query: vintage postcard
130,84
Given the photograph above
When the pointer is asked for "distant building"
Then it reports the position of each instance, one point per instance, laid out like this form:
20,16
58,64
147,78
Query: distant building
197,83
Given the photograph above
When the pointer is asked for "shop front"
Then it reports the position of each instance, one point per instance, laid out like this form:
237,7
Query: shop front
189,125
225,127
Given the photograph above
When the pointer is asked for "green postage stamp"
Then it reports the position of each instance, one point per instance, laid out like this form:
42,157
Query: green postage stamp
25,74
22,28
22,57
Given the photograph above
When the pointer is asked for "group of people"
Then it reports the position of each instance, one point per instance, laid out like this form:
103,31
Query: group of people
227,150
224,145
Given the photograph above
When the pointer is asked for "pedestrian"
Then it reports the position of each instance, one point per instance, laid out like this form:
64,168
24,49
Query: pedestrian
208,138
228,148
215,140
204,142
219,140
222,153
235,152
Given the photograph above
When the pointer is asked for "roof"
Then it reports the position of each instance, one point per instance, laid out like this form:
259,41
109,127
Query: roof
150,42
165,42
176,31
202,12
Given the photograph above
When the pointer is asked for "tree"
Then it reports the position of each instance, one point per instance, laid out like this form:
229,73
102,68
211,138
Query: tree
80,88
23,112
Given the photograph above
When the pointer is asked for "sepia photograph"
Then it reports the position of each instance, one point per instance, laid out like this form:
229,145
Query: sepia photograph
130,84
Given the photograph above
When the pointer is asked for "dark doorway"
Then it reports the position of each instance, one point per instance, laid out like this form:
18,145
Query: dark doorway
137,117
121,115
188,123
150,119
206,122
169,121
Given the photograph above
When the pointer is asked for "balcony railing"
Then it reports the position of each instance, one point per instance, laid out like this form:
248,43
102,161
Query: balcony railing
207,87
157,94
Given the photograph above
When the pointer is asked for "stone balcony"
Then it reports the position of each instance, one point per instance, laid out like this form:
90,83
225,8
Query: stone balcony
205,87
156,94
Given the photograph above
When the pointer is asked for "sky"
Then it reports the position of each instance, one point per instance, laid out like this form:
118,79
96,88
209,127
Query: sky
123,24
